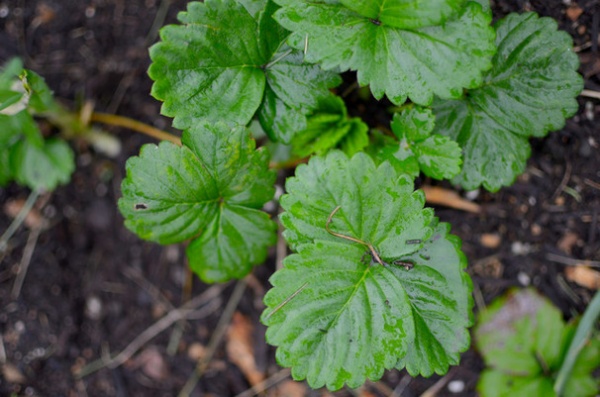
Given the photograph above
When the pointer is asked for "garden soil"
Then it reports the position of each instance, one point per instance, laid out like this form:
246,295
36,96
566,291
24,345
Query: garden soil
92,287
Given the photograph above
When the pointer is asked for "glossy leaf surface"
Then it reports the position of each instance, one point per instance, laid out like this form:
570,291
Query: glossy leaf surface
398,49
530,90
212,69
211,188
385,280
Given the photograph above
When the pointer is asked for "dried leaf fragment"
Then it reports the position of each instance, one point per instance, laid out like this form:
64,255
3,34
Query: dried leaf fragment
240,348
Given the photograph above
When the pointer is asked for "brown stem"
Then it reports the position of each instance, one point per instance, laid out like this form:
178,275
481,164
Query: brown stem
121,121
354,239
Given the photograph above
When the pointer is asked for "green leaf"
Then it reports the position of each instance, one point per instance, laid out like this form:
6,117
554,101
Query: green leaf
498,384
441,305
211,188
348,322
398,49
530,91
6,173
523,340
8,97
376,204
337,314
9,73
214,70
518,333
329,127
42,168
435,155
42,98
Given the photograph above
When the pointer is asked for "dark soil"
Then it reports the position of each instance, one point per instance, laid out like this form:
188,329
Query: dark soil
92,286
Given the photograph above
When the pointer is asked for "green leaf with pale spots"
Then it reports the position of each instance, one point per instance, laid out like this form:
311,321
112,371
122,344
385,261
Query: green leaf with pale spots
347,305
210,190
212,69
530,91
401,50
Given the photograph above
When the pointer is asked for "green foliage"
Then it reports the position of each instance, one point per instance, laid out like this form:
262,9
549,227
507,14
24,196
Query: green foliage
210,190
399,49
376,282
418,150
530,90
523,340
228,62
25,156
329,127
384,287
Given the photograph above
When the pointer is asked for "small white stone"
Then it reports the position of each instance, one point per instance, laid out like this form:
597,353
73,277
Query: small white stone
456,386
518,248
93,308
524,279
472,194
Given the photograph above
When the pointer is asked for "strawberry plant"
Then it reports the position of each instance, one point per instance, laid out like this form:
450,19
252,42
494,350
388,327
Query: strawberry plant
375,281
25,156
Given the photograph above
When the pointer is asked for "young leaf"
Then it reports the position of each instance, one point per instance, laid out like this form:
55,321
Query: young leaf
522,338
437,156
399,49
530,91
211,188
328,127
346,306
212,69
42,168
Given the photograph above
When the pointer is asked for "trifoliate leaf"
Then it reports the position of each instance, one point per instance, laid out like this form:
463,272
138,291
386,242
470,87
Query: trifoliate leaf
523,338
42,168
530,91
211,188
328,127
214,70
398,49
348,305
435,155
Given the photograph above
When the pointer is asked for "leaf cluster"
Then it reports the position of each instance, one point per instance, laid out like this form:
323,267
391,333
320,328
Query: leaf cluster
25,155
375,282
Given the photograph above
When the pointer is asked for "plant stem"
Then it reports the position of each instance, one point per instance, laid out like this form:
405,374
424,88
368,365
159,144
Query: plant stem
135,125
581,338
19,219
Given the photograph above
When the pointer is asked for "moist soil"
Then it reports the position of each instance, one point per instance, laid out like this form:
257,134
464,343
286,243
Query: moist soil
92,287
